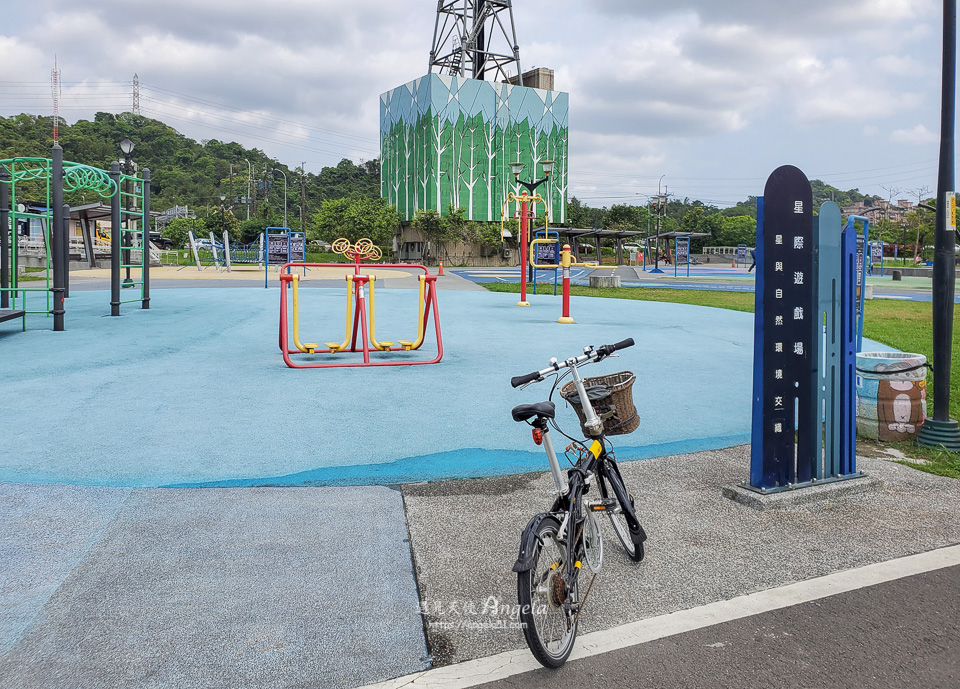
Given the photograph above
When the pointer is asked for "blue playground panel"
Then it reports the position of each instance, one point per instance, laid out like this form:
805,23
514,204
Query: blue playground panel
195,392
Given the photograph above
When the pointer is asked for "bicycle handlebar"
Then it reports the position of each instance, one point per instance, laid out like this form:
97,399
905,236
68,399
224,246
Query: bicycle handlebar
599,353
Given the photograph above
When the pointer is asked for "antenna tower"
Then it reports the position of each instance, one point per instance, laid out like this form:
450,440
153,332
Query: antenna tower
55,91
136,94
475,38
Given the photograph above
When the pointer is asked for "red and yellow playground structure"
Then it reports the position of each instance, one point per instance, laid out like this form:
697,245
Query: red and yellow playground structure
566,262
358,337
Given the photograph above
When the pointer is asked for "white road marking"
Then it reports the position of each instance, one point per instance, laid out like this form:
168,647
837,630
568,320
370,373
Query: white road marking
475,672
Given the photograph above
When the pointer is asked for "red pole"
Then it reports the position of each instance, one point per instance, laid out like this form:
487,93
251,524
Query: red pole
565,264
523,260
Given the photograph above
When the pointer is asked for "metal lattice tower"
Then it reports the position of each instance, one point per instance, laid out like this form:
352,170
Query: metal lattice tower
136,94
475,38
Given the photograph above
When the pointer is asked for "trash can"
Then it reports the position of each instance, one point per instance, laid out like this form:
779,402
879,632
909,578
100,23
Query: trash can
891,395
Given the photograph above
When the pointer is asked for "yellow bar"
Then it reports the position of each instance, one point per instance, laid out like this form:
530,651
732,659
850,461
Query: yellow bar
346,340
421,311
373,318
545,266
296,313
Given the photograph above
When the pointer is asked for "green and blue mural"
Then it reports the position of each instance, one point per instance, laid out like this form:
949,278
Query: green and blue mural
448,141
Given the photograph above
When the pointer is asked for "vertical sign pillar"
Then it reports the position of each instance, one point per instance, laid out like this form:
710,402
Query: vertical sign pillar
829,319
787,394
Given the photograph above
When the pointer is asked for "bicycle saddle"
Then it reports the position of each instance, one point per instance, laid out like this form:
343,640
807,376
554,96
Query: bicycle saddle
522,412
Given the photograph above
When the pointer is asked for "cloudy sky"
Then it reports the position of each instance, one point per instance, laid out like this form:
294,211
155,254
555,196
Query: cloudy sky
711,95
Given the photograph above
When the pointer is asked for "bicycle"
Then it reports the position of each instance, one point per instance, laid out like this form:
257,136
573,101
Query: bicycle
550,561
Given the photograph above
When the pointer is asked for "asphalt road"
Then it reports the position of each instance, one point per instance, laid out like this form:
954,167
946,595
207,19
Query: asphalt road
896,635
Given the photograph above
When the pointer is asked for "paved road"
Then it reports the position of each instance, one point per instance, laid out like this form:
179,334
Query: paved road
900,634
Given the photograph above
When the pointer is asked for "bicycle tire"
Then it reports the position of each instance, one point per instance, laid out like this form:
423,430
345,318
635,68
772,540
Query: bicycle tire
542,614
633,547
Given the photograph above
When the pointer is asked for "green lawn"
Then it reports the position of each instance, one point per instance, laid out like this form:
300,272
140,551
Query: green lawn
903,325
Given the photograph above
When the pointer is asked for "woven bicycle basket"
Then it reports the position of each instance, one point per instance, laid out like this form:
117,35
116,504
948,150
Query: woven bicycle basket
625,418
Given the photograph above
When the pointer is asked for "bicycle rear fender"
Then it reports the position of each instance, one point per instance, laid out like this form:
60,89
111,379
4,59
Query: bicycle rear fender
528,542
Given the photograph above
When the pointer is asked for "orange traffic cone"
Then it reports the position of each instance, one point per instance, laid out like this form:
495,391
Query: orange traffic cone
441,268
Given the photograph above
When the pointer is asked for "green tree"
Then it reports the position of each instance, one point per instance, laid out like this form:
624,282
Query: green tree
740,229
355,219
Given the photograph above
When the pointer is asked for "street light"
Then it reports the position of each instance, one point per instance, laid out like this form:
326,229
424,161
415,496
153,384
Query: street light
525,198
223,217
660,206
126,147
284,196
249,180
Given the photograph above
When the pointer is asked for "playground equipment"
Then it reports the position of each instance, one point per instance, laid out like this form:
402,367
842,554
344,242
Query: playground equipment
224,254
544,250
357,316
566,262
51,177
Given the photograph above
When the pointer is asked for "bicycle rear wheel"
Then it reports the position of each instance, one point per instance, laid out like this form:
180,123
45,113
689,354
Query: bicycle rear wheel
550,626
618,521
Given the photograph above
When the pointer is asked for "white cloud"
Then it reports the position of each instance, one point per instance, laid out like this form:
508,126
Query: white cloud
731,87
917,135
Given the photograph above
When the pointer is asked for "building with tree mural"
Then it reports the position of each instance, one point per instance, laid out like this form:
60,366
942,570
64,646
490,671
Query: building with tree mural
447,141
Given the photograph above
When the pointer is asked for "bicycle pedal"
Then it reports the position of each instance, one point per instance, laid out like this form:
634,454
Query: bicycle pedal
602,505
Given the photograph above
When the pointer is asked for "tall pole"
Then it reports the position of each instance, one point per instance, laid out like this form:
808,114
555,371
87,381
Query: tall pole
115,241
303,198
5,237
145,240
523,254
941,429
284,196
55,236
249,177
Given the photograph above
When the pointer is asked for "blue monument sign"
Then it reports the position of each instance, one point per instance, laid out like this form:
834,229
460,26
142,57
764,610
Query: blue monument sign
799,404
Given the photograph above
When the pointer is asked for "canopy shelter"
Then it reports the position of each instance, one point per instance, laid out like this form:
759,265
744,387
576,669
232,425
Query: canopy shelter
86,216
674,235
572,235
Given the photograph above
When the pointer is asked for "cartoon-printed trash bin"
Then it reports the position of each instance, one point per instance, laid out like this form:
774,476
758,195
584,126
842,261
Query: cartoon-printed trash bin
891,395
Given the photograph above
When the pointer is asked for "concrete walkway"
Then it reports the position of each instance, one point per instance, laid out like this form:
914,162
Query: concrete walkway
229,588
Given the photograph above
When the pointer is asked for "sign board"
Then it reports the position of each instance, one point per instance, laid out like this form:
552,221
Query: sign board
547,254
298,247
785,415
952,215
742,253
859,260
876,252
277,248
682,252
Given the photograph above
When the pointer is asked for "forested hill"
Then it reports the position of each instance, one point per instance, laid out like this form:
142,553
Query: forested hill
186,172
195,174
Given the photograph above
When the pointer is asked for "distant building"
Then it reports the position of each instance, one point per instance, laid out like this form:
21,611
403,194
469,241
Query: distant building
878,209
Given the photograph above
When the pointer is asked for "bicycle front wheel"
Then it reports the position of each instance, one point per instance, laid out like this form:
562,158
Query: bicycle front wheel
618,521
547,601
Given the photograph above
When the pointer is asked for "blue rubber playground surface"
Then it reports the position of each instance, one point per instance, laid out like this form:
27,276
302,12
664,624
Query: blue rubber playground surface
194,391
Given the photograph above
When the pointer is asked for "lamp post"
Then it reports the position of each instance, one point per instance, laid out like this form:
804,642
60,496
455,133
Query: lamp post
525,198
126,147
223,217
284,196
249,178
660,205
942,429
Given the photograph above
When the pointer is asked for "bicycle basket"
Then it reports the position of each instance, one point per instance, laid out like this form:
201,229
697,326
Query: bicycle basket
625,418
